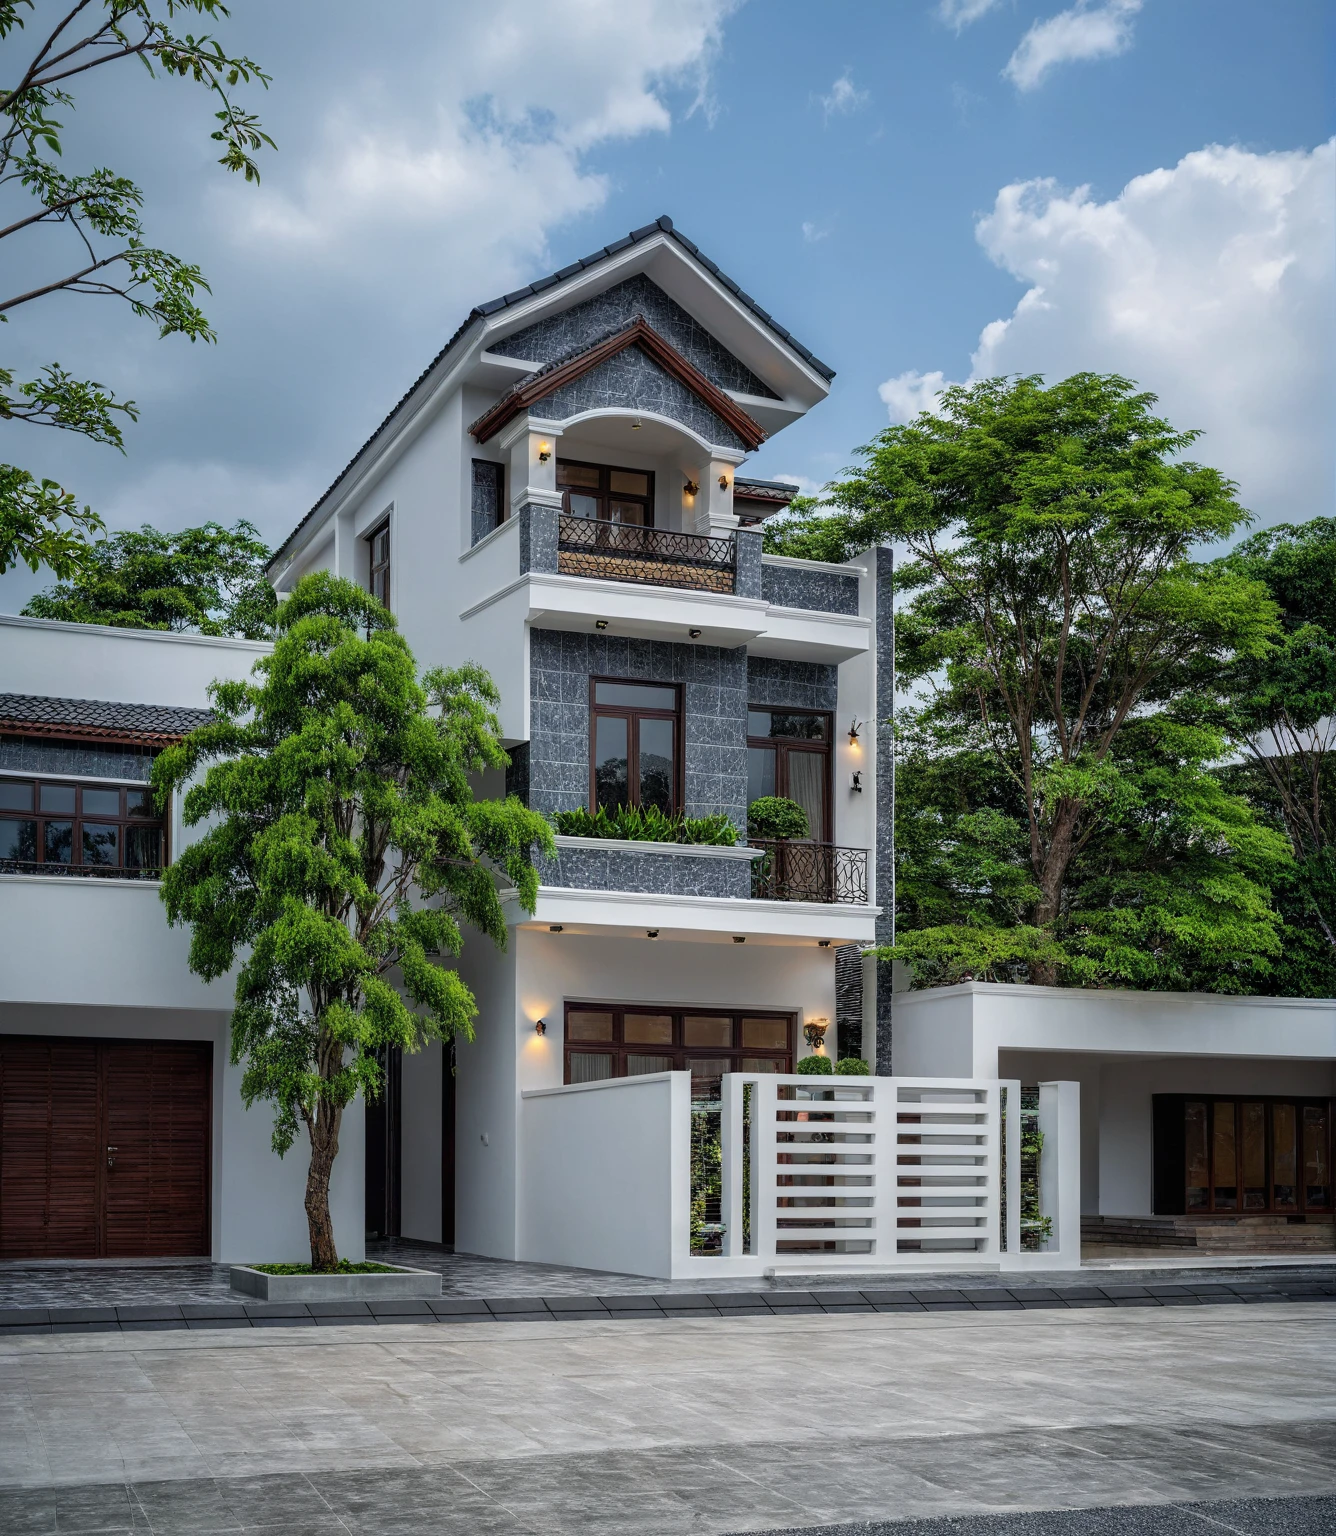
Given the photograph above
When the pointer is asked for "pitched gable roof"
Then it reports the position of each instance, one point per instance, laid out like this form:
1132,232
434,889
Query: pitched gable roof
662,225
26,714
638,333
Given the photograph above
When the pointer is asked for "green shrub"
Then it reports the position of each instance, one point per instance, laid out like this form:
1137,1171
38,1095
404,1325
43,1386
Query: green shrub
852,1066
774,816
344,1267
634,823
815,1066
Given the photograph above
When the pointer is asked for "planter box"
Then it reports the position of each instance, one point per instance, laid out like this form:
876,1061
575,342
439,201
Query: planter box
398,1285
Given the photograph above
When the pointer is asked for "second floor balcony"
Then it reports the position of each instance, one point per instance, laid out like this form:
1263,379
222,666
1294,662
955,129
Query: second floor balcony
661,557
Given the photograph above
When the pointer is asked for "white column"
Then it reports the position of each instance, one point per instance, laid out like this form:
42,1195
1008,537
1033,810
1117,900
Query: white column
532,449
1060,1171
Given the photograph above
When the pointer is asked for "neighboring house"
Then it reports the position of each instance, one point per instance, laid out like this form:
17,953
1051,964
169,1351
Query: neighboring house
559,498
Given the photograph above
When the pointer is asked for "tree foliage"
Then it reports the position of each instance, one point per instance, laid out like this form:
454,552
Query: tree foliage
95,217
342,853
209,580
1060,631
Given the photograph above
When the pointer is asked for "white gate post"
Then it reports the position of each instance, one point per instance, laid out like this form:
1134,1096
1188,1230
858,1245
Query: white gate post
1060,1171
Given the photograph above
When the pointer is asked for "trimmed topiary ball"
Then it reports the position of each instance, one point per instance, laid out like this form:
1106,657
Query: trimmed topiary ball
772,816
852,1066
815,1066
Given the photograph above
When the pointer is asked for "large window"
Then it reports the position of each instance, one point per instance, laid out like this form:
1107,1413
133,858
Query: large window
1242,1155
635,744
788,753
63,826
379,545
611,495
628,1042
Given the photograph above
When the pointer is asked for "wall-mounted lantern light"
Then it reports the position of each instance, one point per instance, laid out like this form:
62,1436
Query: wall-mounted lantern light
541,1027
854,729
690,488
814,1032
723,482
544,452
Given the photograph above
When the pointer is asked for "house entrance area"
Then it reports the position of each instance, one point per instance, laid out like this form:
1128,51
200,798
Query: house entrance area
104,1148
1242,1155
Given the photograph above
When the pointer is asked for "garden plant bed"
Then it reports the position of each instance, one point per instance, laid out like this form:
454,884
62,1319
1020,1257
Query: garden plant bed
385,1283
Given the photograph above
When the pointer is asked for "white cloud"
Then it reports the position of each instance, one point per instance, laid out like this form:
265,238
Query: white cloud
1080,33
813,232
844,97
465,178
959,14
1211,283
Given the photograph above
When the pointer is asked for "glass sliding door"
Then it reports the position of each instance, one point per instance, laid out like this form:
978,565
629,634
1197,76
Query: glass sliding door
1254,1155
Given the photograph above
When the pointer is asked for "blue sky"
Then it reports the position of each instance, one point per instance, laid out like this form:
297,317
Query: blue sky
901,183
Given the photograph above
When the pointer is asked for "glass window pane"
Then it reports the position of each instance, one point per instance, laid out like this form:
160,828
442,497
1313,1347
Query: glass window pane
762,1064
101,843
143,848
1253,1130
648,1029
807,785
15,795
636,695
583,506
639,1066
758,722
139,802
1317,1158
766,1034
798,727
590,1066
1198,1159
58,842
1224,1156
630,513
760,772
583,1025
577,474
58,798
628,482
18,840
101,802
705,1074
657,762
1284,1159
707,1030
611,781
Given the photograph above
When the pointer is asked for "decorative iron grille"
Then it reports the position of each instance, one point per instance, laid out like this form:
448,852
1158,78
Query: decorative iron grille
590,546
791,871
76,871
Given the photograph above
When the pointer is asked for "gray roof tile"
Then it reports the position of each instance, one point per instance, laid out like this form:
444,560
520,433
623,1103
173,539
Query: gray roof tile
99,715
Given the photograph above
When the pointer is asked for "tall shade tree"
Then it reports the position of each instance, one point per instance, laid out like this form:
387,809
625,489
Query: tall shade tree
1050,533
209,581
343,852
83,232
1280,714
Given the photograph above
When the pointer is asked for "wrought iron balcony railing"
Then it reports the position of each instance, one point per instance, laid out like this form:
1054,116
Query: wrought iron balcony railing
793,871
76,871
589,546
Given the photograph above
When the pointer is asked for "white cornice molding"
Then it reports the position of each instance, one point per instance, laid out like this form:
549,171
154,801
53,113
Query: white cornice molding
738,906
791,563
161,636
1110,994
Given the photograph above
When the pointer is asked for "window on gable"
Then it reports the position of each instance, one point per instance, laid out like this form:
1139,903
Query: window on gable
379,583
488,505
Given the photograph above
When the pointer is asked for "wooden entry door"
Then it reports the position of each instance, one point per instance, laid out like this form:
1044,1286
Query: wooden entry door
104,1148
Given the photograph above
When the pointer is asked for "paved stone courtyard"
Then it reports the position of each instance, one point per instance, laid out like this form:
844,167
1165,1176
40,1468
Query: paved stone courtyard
723,1425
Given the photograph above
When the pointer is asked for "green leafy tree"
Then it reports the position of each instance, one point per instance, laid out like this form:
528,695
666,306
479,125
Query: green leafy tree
99,244
1050,533
343,850
209,580
1280,715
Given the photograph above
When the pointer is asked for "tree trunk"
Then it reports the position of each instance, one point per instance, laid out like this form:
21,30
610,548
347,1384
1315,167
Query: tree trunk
1052,875
324,1149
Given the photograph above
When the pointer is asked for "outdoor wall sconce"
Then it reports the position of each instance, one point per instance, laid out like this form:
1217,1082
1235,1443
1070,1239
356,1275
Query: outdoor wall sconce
690,488
600,623
541,1027
555,928
814,1032
635,425
651,933
854,729
694,633
723,482
856,781
544,452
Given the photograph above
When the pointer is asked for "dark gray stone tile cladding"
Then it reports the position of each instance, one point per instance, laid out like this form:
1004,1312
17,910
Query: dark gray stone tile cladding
817,591
35,754
538,537
583,324
714,705
885,569
663,874
795,684
634,381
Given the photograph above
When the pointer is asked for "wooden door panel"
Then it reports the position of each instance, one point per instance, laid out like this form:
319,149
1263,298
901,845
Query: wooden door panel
156,1113
48,1149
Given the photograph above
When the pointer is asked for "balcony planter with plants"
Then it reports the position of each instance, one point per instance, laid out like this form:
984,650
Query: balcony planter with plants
646,851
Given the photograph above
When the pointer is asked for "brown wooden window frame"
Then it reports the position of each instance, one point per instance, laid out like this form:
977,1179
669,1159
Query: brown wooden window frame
604,493
783,745
632,714
378,571
1171,1155
619,1048
122,820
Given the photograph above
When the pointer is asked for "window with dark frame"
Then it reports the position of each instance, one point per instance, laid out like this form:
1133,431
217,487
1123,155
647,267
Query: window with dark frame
603,1042
378,543
789,754
61,825
604,492
1256,1154
635,751
489,497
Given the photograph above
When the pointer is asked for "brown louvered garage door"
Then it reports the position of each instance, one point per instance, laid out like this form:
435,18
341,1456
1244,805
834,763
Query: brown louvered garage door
104,1148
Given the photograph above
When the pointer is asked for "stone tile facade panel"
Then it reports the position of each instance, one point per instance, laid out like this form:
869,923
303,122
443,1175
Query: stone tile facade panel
816,591
632,380
90,760
792,684
661,874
